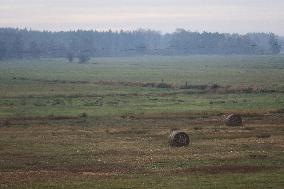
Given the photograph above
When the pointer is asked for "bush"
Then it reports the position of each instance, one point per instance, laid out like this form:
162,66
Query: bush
84,58
70,57
84,114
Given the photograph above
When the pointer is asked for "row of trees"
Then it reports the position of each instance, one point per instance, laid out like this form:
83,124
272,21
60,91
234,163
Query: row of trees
19,43
281,42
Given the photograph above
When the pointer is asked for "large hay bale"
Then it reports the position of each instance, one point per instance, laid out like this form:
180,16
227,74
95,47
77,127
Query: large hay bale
234,120
178,139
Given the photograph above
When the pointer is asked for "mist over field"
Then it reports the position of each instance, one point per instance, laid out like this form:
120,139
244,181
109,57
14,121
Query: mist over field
131,94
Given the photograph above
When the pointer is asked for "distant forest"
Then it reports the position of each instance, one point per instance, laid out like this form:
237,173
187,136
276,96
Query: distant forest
21,43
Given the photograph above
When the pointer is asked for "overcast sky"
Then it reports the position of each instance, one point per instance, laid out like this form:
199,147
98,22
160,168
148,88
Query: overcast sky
231,16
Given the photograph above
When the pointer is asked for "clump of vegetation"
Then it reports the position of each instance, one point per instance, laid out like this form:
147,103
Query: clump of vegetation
196,87
217,102
70,57
280,110
107,131
258,156
263,135
128,115
83,57
197,128
84,115
201,87
214,86
164,85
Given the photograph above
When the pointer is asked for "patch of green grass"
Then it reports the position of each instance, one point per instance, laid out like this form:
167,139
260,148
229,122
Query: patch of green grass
113,105
234,181
264,71
60,127
53,87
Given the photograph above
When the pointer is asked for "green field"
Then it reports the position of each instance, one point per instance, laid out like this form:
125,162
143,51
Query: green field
105,124
56,87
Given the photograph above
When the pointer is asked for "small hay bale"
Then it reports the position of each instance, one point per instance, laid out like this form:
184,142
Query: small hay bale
234,120
178,139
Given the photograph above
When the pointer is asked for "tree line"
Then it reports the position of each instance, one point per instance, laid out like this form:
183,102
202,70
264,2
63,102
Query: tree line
21,43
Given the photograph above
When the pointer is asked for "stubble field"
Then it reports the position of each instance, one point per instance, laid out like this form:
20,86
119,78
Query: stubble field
105,124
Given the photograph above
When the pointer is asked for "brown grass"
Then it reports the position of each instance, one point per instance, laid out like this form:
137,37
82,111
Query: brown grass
48,152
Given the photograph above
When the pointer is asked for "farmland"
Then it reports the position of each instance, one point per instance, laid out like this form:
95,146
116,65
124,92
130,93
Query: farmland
105,124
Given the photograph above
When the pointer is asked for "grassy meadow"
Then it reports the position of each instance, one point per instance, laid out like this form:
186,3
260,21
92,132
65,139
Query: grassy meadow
105,124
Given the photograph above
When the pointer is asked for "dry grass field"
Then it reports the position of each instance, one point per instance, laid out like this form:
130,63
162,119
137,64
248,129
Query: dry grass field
100,127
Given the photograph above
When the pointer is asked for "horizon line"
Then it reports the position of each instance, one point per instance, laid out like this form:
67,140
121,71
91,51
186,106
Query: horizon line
129,30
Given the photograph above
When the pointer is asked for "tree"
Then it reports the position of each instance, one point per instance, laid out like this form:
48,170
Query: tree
84,57
273,42
16,43
34,49
17,46
2,50
70,57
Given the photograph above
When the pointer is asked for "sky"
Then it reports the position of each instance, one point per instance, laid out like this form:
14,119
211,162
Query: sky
226,16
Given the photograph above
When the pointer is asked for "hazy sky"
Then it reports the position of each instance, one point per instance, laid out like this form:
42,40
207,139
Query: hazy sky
240,16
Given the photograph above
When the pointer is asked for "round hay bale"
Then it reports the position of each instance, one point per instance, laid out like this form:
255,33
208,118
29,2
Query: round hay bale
178,139
234,120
